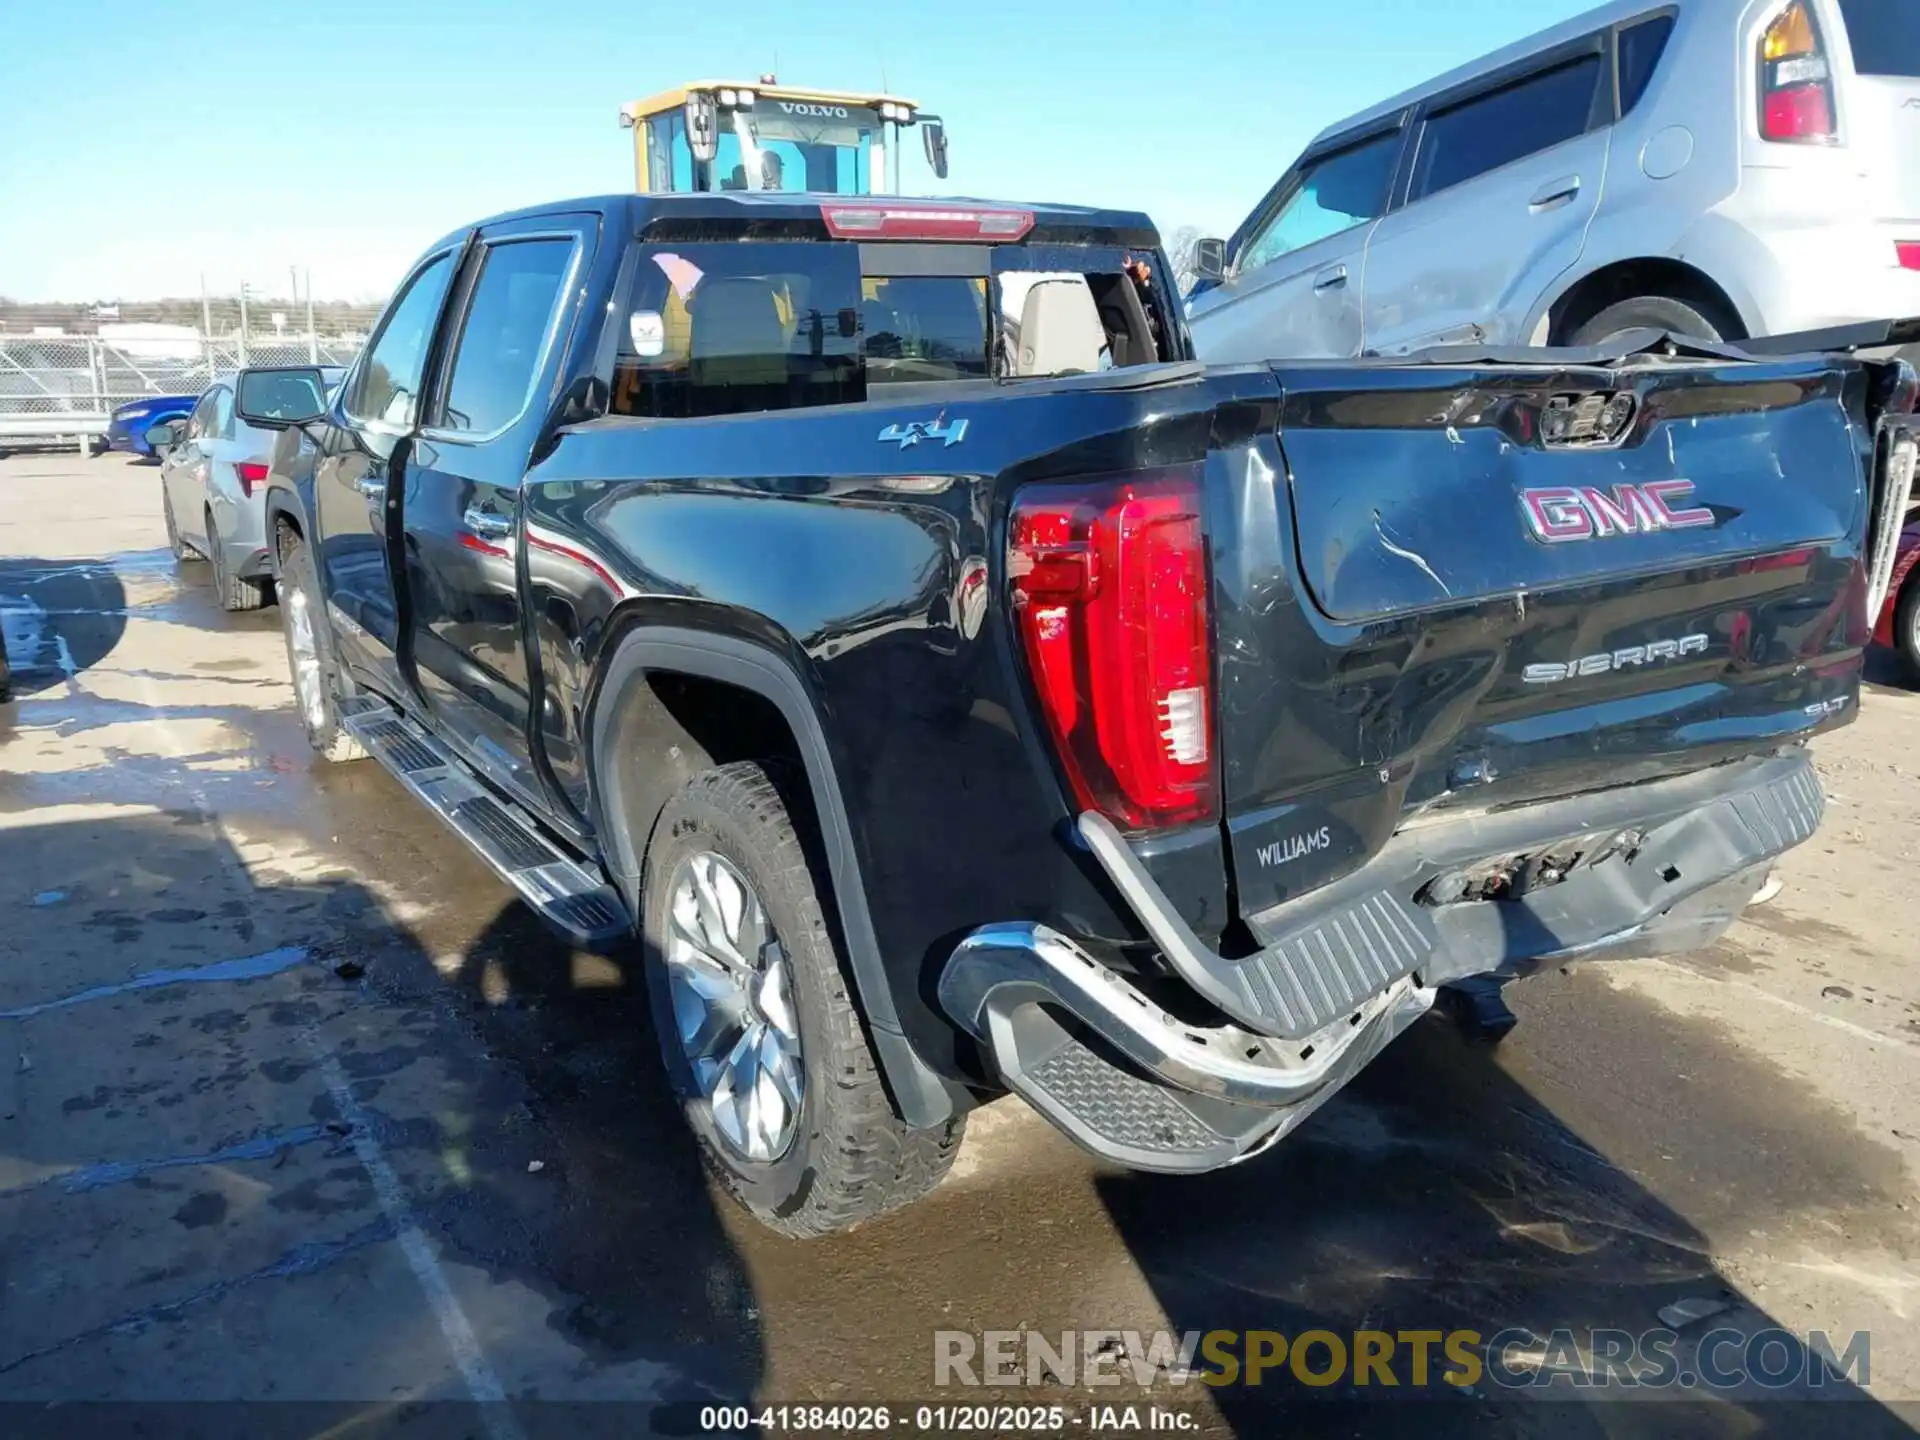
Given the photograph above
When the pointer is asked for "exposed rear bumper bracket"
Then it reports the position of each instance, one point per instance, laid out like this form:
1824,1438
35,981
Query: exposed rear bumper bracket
1347,968
1325,953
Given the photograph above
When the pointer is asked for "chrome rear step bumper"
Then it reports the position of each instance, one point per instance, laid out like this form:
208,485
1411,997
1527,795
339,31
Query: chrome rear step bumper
1132,1083
1348,967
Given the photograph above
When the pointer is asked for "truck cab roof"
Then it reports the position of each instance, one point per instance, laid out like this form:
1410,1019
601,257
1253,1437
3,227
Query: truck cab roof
762,214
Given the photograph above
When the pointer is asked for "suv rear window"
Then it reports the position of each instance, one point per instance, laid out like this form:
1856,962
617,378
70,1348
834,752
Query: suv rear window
1489,131
1885,36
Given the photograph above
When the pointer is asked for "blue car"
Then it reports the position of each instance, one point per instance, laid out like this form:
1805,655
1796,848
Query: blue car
128,429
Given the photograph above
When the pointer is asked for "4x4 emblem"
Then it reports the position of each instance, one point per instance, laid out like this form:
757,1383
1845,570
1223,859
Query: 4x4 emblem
950,431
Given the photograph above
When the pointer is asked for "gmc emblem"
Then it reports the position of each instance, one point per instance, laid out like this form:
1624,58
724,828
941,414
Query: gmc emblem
1560,513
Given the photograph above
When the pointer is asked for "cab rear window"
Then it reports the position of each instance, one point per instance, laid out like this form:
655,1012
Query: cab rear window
1885,36
727,329
737,328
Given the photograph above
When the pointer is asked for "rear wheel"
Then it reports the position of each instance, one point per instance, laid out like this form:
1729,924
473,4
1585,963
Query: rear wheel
235,592
1906,627
316,673
1649,312
758,1031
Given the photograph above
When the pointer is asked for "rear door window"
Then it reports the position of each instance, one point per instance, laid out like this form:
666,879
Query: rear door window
1334,193
1640,49
503,339
1522,119
1885,36
200,422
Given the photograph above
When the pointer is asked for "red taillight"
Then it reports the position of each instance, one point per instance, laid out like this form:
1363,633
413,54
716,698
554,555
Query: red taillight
1796,85
1801,112
1909,253
251,473
925,222
1109,583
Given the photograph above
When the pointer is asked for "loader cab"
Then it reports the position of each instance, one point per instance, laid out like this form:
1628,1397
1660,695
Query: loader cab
722,135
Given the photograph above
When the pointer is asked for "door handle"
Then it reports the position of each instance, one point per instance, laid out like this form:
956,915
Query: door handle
1557,193
1332,278
487,525
374,487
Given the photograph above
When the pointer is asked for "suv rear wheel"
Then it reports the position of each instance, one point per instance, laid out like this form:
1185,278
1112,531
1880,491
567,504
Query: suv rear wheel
1647,312
760,1036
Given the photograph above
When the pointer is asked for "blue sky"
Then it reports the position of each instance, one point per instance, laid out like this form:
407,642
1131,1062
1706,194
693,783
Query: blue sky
142,144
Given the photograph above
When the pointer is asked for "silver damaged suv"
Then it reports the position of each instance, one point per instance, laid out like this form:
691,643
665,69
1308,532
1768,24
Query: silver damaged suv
1722,168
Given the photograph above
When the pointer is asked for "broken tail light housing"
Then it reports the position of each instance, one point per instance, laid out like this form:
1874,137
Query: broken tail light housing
1796,81
1109,590
250,473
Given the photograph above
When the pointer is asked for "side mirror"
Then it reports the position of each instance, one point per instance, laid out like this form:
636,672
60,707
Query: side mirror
276,399
703,127
933,137
1209,259
165,437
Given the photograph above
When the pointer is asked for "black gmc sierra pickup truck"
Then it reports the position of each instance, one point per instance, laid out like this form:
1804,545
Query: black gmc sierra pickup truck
959,689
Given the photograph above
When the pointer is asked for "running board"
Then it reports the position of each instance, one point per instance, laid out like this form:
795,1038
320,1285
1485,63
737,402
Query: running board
571,897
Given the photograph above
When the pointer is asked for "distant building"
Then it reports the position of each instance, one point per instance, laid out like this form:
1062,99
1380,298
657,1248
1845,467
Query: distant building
148,341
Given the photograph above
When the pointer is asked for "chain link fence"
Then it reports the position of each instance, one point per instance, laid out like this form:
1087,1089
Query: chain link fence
64,369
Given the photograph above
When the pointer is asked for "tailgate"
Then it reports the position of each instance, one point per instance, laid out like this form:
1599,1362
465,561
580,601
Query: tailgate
1514,581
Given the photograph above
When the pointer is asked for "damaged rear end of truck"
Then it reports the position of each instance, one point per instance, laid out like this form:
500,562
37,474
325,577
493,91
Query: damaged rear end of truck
1410,672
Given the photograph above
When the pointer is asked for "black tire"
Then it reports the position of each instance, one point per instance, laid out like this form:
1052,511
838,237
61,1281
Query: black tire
851,1158
1650,312
183,553
300,595
233,592
1906,627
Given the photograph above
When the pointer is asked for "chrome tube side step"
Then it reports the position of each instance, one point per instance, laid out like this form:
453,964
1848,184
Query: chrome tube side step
572,898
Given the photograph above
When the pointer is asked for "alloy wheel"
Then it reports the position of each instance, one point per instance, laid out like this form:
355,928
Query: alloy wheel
732,990
307,684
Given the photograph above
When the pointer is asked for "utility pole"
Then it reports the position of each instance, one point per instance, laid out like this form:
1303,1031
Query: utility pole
313,331
243,324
